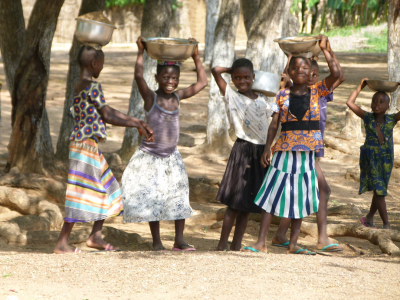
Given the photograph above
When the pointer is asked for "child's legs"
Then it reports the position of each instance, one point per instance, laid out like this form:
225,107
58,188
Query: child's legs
155,233
240,228
322,214
95,240
266,219
372,210
294,234
280,235
381,206
227,224
179,227
62,243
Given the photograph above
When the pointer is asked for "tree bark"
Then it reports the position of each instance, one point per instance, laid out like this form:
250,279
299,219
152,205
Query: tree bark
352,128
180,19
223,55
27,149
321,16
394,50
213,8
155,22
249,10
74,71
12,33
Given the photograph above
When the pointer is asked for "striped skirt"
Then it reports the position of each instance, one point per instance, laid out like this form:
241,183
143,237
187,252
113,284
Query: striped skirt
290,188
93,193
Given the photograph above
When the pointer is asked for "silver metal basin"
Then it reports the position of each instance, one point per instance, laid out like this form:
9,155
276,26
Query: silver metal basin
297,45
169,49
266,83
383,86
93,32
317,50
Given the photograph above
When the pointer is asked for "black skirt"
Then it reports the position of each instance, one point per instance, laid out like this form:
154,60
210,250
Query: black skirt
243,177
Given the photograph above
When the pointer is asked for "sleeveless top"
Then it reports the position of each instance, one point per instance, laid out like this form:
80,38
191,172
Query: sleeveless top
166,130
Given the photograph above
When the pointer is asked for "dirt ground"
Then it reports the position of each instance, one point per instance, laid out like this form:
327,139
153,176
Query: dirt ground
33,272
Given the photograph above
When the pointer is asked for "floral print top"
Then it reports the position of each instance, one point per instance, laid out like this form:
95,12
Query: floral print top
88,121
300,140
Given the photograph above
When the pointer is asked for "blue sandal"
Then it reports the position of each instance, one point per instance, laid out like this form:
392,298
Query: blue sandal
251,249
307,252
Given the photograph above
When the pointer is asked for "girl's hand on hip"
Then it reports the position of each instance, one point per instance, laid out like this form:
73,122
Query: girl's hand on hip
266,158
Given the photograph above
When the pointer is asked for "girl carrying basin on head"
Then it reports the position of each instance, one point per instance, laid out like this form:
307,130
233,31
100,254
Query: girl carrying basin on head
290,188
377,153
155,184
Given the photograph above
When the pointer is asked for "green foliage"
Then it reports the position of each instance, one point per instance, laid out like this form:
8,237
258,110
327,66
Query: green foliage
378,41
121,3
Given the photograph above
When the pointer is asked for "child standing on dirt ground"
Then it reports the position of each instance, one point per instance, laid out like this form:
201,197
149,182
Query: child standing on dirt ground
377,153
324,243
290,188
243,176
93,193
155,184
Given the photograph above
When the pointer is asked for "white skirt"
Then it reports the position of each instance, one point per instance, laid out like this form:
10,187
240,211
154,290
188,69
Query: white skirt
155,189
290,188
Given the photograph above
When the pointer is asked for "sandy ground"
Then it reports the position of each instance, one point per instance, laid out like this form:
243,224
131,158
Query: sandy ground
32,272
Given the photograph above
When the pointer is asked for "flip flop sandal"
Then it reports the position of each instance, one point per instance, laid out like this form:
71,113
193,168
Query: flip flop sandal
184,247
251,249
326,248
365,223
77,251
162,249
307,252
281,245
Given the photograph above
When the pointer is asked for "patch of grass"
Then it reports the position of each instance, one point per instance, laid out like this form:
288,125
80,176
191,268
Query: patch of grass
378,41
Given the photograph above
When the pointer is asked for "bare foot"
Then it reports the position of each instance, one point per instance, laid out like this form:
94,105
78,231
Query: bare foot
386,226
99,244
226,248
64,249
278,240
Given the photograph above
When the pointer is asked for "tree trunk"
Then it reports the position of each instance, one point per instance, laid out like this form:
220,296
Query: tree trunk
352,127
267,26
155,22
12,33
321,16
74,71
223,55
394,50
249,10
213,7
180,19
27,149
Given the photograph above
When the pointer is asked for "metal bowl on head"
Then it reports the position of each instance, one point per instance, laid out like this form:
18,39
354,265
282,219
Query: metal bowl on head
93,32
383,86
169,49
266,83
298,45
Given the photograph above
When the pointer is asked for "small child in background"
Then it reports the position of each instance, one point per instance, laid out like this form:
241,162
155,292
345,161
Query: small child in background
93,193
243,176
155,184
377,153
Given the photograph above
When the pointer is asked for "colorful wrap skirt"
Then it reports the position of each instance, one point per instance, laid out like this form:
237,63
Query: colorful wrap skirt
93,193
290,188
155,188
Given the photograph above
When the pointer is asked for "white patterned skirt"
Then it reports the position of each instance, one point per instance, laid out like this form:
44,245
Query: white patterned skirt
290,188
155,189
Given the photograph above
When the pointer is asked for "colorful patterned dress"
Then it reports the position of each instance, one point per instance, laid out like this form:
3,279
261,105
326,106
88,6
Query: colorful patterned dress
376,161
290,188
93,193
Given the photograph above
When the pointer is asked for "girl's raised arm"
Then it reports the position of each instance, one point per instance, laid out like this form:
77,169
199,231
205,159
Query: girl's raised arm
144,90
201,77
217,72
341,78
335,72
351,102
